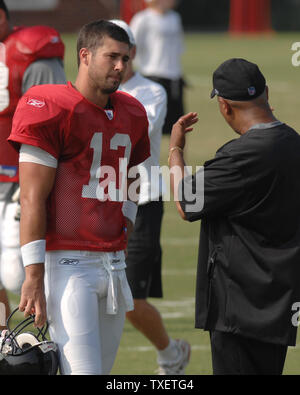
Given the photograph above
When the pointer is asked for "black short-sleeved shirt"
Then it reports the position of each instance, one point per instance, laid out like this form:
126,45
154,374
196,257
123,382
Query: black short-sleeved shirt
248,275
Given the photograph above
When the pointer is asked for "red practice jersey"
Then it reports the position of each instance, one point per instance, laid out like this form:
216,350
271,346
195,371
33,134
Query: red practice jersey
90,144
22,47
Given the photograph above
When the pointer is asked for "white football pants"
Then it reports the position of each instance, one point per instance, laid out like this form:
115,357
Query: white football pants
87,296
12,272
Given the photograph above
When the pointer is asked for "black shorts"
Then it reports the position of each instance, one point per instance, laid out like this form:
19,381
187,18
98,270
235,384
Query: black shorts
233,354
175,105
144,252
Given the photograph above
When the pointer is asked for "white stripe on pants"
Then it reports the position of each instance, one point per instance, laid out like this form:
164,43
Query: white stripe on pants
76,286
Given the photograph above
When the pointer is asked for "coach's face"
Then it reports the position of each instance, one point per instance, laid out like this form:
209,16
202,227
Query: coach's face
107,65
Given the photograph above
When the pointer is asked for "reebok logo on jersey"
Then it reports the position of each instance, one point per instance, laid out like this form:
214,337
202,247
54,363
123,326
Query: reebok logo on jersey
67,261
36,103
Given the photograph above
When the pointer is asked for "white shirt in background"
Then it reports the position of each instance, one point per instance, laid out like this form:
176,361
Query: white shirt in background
159,41
154,98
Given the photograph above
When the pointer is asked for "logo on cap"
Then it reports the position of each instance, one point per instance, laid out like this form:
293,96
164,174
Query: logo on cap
36,103
54,39
251,90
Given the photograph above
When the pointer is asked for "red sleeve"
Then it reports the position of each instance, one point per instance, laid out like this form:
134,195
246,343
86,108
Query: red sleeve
38,122
141,149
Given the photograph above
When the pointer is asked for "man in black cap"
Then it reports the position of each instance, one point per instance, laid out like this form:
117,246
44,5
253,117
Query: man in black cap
248,198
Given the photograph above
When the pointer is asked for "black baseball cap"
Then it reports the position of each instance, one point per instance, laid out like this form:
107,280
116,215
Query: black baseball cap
238,80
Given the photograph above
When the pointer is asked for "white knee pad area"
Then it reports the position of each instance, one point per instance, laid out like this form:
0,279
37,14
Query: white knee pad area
12,272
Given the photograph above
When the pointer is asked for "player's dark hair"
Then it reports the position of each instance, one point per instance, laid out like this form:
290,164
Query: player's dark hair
4,8
92,34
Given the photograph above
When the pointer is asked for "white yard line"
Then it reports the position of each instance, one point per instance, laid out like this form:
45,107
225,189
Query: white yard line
184,241
180,272
149,348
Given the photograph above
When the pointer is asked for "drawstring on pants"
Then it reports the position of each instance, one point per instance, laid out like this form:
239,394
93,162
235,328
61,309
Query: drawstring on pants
116,274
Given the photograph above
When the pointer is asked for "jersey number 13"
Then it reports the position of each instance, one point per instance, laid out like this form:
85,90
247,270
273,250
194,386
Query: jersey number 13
95,189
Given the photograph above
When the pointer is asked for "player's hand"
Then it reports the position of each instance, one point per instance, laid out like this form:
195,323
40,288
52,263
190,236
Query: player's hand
33,299
181,127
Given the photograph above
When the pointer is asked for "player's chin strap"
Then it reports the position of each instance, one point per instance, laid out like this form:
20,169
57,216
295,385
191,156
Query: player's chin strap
115,268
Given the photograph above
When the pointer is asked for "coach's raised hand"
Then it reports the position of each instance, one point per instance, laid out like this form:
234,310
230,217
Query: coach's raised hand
180,128
175,159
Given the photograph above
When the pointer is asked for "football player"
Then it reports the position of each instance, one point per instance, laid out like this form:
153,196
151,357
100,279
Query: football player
78,144
28,56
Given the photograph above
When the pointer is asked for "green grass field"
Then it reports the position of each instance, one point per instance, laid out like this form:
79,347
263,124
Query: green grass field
204,52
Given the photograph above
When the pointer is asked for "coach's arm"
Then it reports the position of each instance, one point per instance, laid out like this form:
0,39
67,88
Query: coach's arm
176,147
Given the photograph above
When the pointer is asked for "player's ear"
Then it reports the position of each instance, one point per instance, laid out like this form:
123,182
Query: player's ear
84,54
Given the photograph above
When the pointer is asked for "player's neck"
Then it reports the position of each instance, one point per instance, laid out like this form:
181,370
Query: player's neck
95,96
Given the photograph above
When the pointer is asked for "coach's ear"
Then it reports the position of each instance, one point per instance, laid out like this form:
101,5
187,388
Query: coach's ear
224,106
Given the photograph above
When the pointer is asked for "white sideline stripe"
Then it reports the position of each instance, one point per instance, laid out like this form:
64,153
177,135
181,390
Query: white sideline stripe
174,241
176,303
183,272
170,316
183,308
149,348
193,347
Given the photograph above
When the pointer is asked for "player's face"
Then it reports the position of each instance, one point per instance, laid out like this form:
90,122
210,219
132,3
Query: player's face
108,64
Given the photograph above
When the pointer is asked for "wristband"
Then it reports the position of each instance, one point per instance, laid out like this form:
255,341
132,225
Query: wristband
33,252
129,210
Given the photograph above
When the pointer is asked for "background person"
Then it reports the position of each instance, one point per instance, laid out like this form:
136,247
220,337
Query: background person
144,249
28,56
68,142
158,33
249,253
